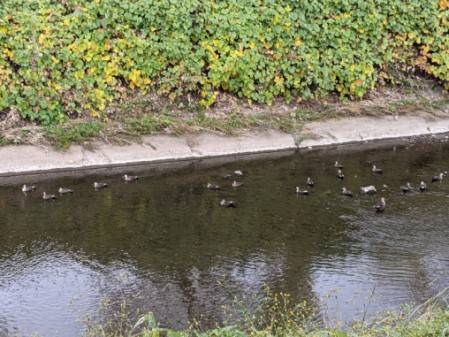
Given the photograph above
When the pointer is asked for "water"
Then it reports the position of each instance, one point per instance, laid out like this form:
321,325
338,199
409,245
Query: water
165,245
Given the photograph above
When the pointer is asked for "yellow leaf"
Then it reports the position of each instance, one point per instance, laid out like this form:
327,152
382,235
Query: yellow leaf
134,77
41,39
444,4
8,53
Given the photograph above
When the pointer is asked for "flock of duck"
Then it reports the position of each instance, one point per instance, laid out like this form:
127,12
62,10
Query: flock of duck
371,189
64,190
382,204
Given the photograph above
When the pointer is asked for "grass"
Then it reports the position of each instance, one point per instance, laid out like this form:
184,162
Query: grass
147,124
62,136
279,317
4,141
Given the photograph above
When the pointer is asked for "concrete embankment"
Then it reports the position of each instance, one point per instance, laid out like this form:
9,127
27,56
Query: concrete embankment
161,150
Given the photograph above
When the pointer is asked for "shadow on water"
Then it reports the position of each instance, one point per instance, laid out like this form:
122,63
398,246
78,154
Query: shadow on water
164,244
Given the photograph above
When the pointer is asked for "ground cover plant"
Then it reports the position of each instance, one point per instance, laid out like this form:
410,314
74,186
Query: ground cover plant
72,58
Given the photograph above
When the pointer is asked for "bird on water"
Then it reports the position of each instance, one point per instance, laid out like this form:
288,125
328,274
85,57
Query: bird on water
380,207
47,196
28,188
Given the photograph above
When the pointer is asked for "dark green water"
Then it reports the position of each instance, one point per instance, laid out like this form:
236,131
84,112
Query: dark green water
165,245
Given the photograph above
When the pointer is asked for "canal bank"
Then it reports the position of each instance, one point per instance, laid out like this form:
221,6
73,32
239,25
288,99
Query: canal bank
177,151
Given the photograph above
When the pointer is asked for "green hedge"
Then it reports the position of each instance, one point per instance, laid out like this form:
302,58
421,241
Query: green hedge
74,57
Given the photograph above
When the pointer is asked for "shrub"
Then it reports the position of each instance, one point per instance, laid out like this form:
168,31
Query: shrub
74,57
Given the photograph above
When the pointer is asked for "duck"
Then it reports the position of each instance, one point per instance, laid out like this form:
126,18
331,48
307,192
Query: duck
340,174
377,170
368,189
28,188
238,173
338,165
438,177
129,179
63,190
301,192
213,187
237,184
422,186
100,185
47,197
227,203
407,188
310,182
380,207
346,192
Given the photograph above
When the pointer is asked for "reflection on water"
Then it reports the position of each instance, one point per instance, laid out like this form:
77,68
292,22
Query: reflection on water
165,245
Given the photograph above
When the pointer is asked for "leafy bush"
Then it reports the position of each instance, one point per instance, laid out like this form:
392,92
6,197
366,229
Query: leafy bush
74,57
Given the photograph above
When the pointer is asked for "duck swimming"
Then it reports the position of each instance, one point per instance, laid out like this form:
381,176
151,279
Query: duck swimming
227,203
310,182
380,207
377,170
28,188
47,197
438,178
340,174
338,165
368,189
63,190
99,186
346,192
301,192
213,187
130,179
238,173
406,188
422,186
236,184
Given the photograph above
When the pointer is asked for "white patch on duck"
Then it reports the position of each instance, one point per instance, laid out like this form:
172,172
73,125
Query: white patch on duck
422,186
310,182
346,192
380,207
47,196
368,189
127,178
213,187
236,184
338,165
99,185
28,188
301,192
407,188
227,203
340,174
377,170
63,190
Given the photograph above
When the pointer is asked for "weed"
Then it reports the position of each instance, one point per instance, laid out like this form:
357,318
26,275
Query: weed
63,136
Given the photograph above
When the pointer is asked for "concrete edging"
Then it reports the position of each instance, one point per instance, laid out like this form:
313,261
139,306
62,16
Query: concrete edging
158,149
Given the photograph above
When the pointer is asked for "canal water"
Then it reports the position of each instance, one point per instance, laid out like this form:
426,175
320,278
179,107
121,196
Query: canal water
165,245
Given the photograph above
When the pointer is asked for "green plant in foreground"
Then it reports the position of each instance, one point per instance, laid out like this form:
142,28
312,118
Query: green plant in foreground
432,324
278,316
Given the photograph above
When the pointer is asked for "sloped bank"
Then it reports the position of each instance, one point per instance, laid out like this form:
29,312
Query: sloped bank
163,150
